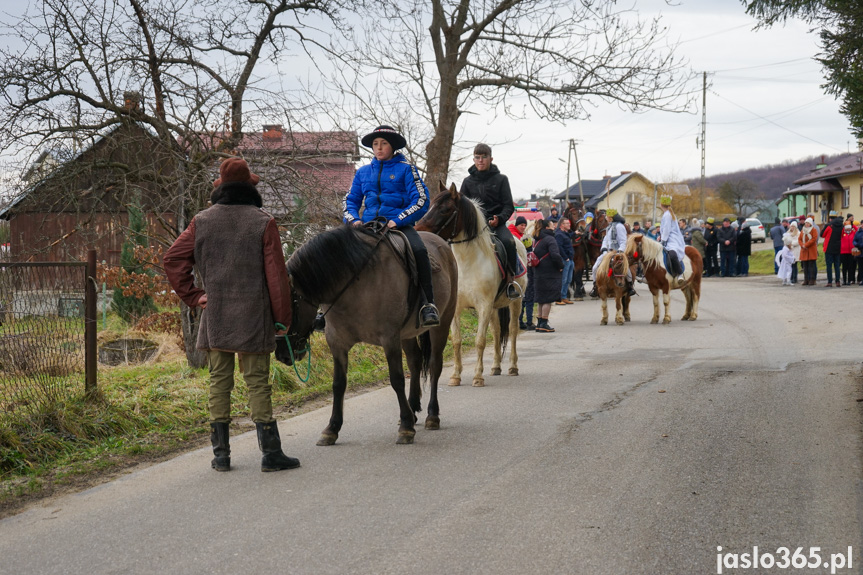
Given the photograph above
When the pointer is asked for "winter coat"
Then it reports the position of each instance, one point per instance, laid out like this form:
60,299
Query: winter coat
724,234
847,240
391,189
744,241
547,275
698,241
858,240
808,244
491,189
833,237
710,236
238,252
564,244
795,243
671,235
776,233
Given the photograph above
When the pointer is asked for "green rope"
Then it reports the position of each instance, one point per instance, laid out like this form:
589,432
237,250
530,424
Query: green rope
308,350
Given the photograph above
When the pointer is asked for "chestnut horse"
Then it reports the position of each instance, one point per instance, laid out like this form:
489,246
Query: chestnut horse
640,248
611,277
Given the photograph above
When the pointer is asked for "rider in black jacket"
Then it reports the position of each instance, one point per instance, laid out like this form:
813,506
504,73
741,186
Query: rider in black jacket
490,188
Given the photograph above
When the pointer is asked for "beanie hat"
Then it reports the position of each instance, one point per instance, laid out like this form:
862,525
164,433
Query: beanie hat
389,134
235,170
793,223
809,221
520,220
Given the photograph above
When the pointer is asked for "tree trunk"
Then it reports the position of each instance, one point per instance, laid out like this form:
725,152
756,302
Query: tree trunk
439,149
191,321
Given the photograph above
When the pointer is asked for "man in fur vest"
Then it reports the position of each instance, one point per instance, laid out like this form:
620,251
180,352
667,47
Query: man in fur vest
237,250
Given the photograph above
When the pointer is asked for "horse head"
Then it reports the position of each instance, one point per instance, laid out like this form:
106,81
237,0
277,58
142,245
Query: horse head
633,251
450,215
294,346
618,269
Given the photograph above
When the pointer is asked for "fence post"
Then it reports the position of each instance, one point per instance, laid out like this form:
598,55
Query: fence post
90,319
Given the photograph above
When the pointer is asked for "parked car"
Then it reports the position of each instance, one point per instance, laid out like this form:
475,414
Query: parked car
758,232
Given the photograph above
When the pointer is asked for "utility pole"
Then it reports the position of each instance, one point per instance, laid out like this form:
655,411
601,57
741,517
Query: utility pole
569,153
703,130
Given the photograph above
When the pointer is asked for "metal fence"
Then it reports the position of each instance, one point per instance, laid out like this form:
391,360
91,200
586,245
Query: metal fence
42,333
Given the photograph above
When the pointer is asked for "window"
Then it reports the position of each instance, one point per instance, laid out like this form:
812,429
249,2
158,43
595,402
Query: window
846,198
631,205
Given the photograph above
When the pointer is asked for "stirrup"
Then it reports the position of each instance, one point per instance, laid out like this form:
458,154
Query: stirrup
429,316
514,291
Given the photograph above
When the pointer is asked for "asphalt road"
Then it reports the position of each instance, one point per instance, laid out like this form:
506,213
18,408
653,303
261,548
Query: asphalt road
619,450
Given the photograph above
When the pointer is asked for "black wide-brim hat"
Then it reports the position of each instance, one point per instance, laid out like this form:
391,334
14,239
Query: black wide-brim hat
389,134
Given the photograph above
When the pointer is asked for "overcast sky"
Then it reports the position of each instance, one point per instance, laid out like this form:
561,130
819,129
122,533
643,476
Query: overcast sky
764,106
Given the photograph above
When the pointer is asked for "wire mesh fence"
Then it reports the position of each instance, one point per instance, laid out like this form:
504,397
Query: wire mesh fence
42,327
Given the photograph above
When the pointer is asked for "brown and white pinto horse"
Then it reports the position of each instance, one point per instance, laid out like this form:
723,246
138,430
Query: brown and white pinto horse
611,277
640,248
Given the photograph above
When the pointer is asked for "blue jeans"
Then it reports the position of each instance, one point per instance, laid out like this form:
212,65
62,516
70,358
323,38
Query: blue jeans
726,263
743,265
832,261
775,265
565,280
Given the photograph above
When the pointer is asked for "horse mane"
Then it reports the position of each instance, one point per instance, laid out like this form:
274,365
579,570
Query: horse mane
471,217
330,260
651,250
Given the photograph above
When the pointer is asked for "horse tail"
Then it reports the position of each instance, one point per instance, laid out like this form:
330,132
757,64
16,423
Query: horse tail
426,353
504,318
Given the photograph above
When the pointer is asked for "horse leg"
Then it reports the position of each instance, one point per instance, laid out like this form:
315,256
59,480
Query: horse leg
496,340
413,355
666,299
407,431
696,296
604,298
514,309
435,367
655,293
482,328
626,300
455,332
618,317
688,311
340,383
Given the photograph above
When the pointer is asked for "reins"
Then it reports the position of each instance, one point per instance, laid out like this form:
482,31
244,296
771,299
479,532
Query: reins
307,349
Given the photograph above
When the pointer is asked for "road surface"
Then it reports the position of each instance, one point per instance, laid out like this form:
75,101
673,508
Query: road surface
635,449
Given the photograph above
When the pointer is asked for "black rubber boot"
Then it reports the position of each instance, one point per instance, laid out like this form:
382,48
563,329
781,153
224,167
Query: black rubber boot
429,316
271,446
220,438
593,293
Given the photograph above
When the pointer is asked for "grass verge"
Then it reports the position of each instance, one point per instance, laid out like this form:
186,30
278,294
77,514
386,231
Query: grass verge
150,412
761,263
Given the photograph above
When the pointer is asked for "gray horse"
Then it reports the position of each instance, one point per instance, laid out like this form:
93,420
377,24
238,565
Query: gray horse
358,278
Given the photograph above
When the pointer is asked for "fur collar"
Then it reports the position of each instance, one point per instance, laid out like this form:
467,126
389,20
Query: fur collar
237,194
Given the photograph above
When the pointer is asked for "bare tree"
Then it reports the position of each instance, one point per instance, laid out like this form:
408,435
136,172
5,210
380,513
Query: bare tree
187,71
742,195
421,64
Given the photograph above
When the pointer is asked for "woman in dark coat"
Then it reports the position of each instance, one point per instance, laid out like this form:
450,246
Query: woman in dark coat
547,275
744,247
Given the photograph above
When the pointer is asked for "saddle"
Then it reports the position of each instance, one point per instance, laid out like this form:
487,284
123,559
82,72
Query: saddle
401,247
500,257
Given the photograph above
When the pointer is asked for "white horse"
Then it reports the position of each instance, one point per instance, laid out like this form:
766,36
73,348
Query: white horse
459,220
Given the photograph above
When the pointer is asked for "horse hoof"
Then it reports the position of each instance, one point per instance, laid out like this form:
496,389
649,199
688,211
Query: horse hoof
693,317
327,439
406,437
654,321
454,381
432,422
513,371
604,322
666,321
619,322
684,318
495,371
627,318
479,383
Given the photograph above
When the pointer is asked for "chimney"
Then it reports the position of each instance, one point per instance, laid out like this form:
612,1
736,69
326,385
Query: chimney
273,133
131,101
623,173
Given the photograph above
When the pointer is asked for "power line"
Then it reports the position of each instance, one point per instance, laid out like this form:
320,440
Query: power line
762,65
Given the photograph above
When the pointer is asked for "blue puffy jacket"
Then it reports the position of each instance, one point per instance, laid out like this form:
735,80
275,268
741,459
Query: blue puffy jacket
391,189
